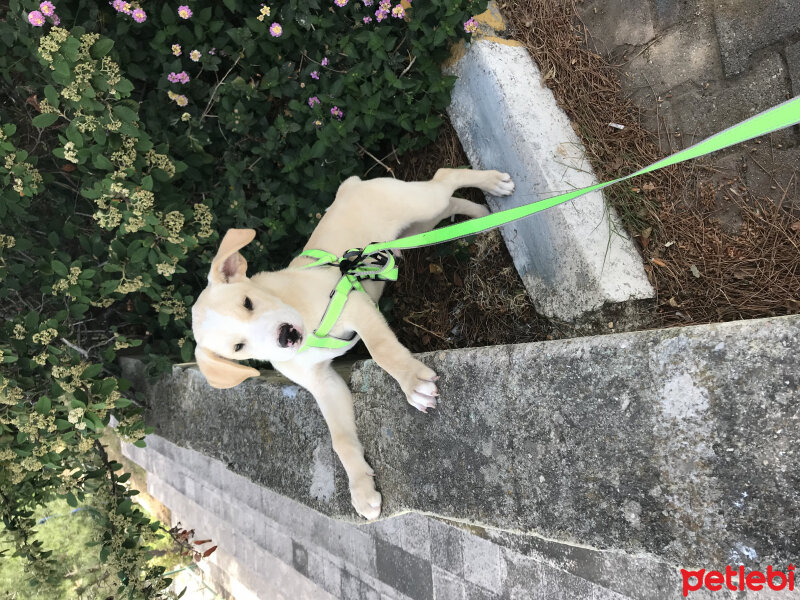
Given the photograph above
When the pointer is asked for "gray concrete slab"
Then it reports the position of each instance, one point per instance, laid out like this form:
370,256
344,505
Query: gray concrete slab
678,443
743,27
573,259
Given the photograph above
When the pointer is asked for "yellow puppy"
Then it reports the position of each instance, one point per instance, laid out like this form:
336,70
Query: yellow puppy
267,316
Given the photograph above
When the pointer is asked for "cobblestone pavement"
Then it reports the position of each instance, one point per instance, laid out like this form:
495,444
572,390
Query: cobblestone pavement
696,67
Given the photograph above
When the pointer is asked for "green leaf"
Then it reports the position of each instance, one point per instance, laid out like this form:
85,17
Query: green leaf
72,500
44,120
186,351
52,95
101,47
101,162
91,371
59,268
231,4
125,114
43,405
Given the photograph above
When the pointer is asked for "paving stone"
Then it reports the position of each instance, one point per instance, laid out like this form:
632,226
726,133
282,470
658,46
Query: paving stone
447,586
484,564
405,572
697,112
793,60
409,532
614,23
670,12
299,558
447,547
744,26
685,54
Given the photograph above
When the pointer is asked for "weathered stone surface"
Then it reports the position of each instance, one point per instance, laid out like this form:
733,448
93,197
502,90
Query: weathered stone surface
670,12
698,111
793,60
744,26
684,54
573,258
617,22
678,443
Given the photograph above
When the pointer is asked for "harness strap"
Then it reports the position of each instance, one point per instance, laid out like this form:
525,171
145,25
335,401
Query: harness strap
355,267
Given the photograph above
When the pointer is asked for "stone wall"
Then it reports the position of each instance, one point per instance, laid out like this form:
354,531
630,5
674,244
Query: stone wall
605,462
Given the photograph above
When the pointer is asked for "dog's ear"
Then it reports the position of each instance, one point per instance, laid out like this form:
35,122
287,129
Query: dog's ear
228,265
220,372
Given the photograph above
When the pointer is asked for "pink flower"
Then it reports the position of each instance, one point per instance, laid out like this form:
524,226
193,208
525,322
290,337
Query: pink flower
337,112
48,9
213,51
181,77
36,18
121,6
275,30
367,19
341,3
381,14
324,62
139,15
367,2
312,101
56,20
398,12
314,74
385,5
471,26
195,55
184,12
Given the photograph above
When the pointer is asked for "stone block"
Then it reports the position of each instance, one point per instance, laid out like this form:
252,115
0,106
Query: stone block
697,112
574,258
446,586
484,564
447,547
403,571
640,443
685,54
744,27
670,12
793,60
409,532
614,23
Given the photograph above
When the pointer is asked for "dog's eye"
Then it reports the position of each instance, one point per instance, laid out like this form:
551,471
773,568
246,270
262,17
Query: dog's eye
238,347
247,303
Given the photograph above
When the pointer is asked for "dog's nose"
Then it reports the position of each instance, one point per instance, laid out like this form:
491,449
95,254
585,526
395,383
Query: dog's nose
287,335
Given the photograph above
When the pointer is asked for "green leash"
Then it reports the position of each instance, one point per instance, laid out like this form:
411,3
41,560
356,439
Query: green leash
376,261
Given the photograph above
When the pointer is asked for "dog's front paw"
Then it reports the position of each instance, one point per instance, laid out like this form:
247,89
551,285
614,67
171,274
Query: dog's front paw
419,387
365,498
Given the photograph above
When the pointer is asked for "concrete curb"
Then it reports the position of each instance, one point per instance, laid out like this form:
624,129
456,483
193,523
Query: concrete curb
675,443
574,259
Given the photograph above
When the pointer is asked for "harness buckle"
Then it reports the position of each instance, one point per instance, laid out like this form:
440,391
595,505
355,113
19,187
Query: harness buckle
351,259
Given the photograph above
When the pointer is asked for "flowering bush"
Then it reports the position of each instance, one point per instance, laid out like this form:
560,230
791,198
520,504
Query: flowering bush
128,143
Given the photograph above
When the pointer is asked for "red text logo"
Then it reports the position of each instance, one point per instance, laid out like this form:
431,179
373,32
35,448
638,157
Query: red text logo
753,580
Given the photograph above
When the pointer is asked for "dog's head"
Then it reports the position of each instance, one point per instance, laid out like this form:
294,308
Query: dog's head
234,318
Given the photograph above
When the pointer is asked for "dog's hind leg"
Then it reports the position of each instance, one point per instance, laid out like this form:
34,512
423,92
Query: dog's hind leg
492,182
456,206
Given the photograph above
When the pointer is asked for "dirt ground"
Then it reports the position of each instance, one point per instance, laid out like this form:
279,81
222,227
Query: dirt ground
713,248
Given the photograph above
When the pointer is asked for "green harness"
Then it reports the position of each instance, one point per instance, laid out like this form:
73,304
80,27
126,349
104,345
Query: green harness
376,261
355,267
